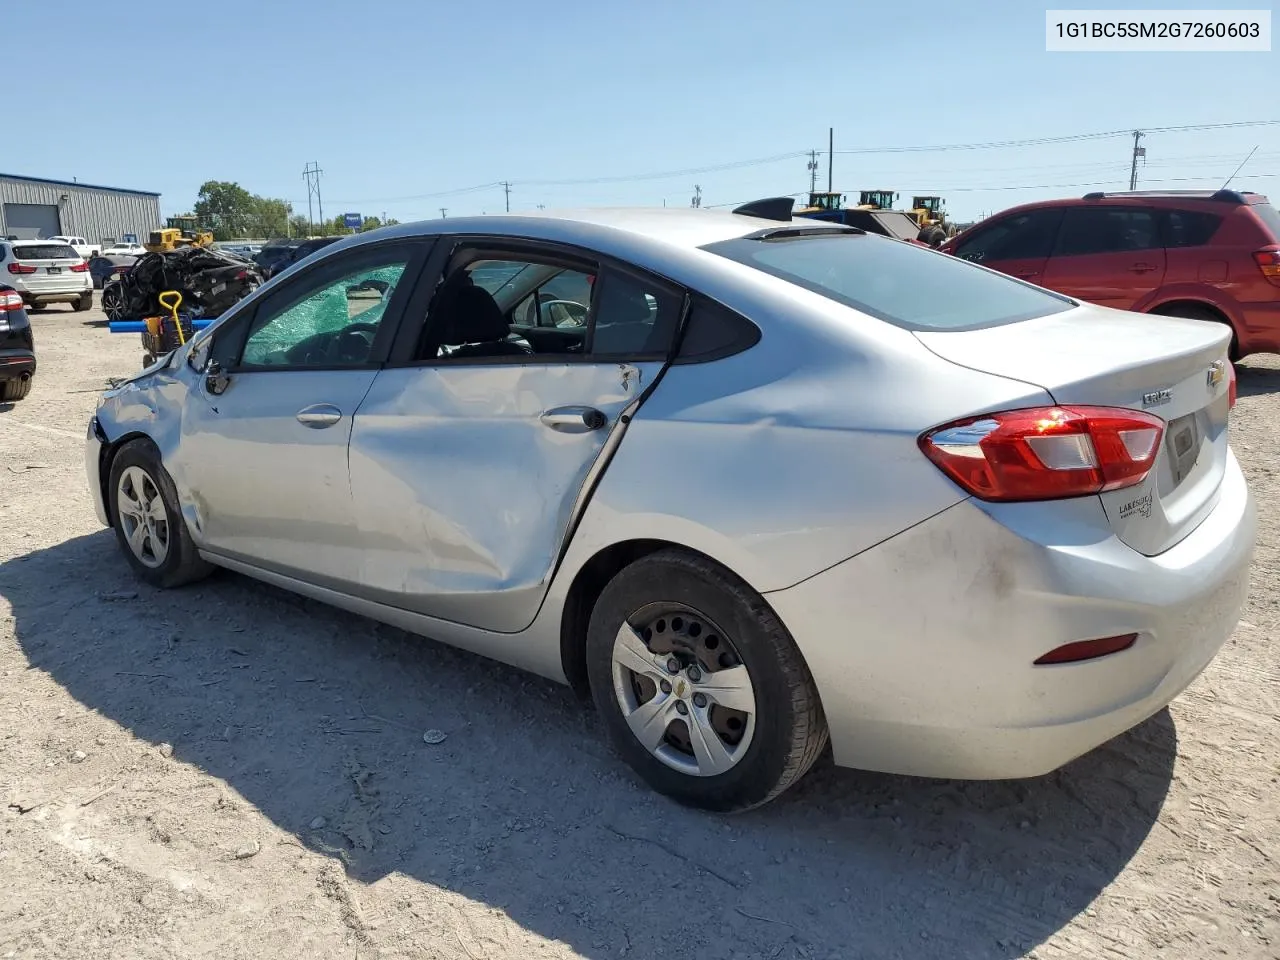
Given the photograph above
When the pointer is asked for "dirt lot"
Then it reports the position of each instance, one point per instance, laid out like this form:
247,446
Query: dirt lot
229,771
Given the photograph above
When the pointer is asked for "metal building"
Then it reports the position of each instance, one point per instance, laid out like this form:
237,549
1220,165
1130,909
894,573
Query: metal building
32,209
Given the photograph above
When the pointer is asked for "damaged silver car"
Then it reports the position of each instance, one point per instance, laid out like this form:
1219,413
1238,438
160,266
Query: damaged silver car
753,484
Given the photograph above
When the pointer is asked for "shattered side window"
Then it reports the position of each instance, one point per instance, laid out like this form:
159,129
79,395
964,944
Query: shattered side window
334,326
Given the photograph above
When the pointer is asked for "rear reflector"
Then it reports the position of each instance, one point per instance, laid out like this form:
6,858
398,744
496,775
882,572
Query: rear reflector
1268,261
1087,649
1046,453
78,267
1231,385
15,267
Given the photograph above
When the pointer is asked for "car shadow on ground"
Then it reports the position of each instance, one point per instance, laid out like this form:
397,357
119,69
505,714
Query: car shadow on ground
310,712
1251,381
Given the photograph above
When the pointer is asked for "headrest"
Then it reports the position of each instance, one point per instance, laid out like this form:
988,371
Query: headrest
471,315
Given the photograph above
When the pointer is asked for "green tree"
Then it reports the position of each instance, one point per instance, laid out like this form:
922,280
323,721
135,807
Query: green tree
225,208
271,217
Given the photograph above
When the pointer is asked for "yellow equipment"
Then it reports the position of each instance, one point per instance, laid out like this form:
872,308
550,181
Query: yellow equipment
181,231
928,210
877,199
823,202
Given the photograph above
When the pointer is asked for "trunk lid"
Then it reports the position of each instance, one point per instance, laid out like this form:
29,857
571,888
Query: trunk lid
1175,369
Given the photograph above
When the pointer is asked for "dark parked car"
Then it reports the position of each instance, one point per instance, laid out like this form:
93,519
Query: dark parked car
103,268
17,347
280,261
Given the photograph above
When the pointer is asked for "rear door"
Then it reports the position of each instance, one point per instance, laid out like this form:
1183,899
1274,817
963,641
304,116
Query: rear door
1017,244
470,461
1109,255
47,266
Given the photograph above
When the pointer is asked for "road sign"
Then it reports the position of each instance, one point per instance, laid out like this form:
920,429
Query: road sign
352,221
129,238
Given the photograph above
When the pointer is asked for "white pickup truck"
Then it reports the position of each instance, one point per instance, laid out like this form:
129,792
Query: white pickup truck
86,250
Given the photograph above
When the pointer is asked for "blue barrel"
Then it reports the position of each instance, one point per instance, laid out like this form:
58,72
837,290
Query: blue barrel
140,326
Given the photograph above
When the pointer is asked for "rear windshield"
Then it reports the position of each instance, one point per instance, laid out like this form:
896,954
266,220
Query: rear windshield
1270,217
44,251
900,283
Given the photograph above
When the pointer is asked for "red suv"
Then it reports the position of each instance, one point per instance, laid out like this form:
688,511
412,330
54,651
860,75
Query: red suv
1200,254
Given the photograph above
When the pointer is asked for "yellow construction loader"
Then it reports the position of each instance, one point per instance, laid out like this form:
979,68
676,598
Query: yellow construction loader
178,232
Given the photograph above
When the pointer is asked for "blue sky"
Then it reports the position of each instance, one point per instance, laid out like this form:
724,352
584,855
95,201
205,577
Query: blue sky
399,100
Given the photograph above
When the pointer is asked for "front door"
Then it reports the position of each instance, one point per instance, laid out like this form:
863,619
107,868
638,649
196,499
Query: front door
1017,244
264,449
1113,256
469,463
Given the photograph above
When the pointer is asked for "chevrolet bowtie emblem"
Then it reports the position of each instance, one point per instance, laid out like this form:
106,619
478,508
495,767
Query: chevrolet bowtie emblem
1217,371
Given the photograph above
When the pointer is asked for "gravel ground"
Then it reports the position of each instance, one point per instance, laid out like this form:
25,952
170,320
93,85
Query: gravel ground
230,771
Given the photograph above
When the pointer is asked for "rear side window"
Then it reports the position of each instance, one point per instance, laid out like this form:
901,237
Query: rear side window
713,332
1022,236
44,251
1190,228
899,283
1270,217
1091,230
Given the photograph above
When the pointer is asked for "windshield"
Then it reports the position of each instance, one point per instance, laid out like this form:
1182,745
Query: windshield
899,283
44,251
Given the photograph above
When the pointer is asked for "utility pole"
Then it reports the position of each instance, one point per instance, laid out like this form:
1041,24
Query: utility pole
311,173
444,213
1137,152
831,156
697,196
813,171
506,188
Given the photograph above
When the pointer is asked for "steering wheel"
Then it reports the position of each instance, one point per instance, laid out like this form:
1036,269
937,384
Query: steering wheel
345,343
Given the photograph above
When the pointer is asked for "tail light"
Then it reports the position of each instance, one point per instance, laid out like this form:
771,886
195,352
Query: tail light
9,301
21,268
1046,453
242,275
1268,261
80,267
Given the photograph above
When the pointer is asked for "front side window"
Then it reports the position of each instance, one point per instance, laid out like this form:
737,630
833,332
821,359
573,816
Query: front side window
1094,230
332,326
899,283
1023,236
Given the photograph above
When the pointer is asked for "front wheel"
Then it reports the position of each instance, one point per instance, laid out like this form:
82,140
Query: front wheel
148,522
113,301
701,688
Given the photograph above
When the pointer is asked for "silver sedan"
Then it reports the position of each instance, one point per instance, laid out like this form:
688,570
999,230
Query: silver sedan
755,485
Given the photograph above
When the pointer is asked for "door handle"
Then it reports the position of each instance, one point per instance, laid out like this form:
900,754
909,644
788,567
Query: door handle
574,419
319,415
1142,268
1027,276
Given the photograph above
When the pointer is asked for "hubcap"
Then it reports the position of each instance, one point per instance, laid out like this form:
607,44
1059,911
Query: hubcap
698,718
143,518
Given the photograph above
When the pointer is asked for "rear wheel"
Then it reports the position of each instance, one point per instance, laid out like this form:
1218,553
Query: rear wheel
148,522
701,688
84,303
1189,311
11,390
113,301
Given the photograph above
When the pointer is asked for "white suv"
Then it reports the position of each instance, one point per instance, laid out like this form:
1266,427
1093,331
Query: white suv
81,246
46,271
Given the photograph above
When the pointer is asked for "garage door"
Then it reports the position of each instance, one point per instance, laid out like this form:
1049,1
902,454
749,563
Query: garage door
31,221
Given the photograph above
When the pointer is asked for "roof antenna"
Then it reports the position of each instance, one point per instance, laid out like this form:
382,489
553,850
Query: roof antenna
1239,168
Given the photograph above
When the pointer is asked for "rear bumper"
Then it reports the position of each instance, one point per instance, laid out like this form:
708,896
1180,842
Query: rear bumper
923,647
1261,326
60,291
16,364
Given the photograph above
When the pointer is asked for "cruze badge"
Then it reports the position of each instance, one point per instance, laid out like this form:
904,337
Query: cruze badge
1156,398
1217,370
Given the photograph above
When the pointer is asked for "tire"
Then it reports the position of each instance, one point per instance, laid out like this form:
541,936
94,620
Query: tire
677,600
113,301
84,303
148,481
1192,312
11,390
